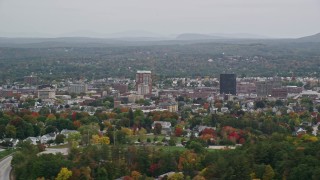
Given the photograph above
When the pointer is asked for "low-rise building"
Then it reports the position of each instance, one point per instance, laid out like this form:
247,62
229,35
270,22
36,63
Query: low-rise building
170,106
47,93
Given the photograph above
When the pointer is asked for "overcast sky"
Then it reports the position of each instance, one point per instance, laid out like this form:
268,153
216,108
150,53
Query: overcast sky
275,18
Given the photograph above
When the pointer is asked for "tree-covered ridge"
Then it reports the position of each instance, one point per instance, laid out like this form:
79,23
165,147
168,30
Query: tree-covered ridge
251,59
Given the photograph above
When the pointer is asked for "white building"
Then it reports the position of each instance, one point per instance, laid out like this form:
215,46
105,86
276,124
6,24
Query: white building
47,137
164,124
33,140
78,88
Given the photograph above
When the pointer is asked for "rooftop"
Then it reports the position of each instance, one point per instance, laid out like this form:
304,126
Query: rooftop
144,72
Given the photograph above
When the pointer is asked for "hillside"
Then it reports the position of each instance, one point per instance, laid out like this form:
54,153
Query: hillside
312,38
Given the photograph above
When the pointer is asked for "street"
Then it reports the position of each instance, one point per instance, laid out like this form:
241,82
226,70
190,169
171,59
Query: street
5,168
64,151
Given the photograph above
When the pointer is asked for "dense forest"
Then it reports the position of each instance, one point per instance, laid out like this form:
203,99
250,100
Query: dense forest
254,58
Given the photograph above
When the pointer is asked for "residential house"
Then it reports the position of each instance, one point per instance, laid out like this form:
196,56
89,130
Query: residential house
10,141
47,137
166,126
33,140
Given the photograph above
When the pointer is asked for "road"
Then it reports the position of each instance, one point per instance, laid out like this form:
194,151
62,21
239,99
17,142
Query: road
64,151
5,168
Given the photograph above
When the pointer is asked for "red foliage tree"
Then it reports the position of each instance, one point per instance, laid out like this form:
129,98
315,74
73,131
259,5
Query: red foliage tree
127,178
208,131
234,137
77,124
178,131
242,141
206,106
41,147
153,167
35,114
74,116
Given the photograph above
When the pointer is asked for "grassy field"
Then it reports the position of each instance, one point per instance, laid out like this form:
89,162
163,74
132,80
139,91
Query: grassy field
159,137
171,148
6,153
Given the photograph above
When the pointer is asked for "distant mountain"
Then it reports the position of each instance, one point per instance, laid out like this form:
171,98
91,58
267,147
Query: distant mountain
194,36
86,33
137,35
89,34
83,42
57,42
142,38
241,36
312,38
134,34
216,36
120,35
24,35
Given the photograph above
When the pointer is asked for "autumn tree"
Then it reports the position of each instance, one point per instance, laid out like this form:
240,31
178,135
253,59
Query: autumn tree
176,176
64,174
178,131
188,162
96,139
142,134
135,175
51,117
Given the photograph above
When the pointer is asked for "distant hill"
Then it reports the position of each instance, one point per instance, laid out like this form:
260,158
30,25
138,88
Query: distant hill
312,38
194,36
145,39
57,42
241,36
219,36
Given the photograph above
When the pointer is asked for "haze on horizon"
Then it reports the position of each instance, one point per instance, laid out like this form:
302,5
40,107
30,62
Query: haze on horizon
47,18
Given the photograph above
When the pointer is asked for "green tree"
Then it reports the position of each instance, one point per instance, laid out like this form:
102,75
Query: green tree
268,173
73,139
260,104
11,131
131,116
48,166
195,146
2,131
60,139
157,128
172,142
